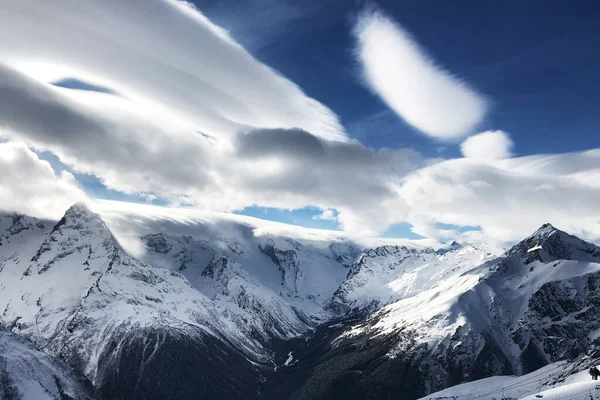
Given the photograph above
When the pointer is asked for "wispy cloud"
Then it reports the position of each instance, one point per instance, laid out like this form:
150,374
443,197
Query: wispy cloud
491,145
160,53
425,95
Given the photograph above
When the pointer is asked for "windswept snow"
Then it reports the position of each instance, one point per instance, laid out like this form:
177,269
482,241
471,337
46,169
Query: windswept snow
391,273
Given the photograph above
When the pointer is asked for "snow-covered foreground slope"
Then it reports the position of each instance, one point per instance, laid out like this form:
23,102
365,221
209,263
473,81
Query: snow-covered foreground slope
557,381
26,373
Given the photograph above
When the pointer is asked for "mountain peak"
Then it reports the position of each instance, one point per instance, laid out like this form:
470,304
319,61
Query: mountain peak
76,214
79,208
454,245
80,218
78,228
545,230
549,244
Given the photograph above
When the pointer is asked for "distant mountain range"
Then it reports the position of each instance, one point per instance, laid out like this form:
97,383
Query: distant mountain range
223,309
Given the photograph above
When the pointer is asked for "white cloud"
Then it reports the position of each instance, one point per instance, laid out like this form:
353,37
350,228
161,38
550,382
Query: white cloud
129,150
327,215
134,151
408,80
169,57
139,153
30,186
490,145
153,146
508,198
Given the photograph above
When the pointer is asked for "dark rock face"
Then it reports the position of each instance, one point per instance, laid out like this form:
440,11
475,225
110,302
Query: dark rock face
157,242
332,367
560,316
20,224
164,363
549,244
344,254
287,263
454,245
215,268
17,224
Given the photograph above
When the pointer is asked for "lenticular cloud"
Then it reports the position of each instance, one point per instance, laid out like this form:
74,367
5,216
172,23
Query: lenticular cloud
163,55
407,79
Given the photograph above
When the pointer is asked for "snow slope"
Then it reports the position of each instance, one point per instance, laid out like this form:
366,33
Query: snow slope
387,274
26,373
557,381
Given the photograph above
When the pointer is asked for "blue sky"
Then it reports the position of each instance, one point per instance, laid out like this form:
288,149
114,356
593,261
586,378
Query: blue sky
537,60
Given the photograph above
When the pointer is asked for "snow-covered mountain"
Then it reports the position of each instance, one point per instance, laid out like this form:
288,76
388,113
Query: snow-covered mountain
72,289
150,305
386,274
534,305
